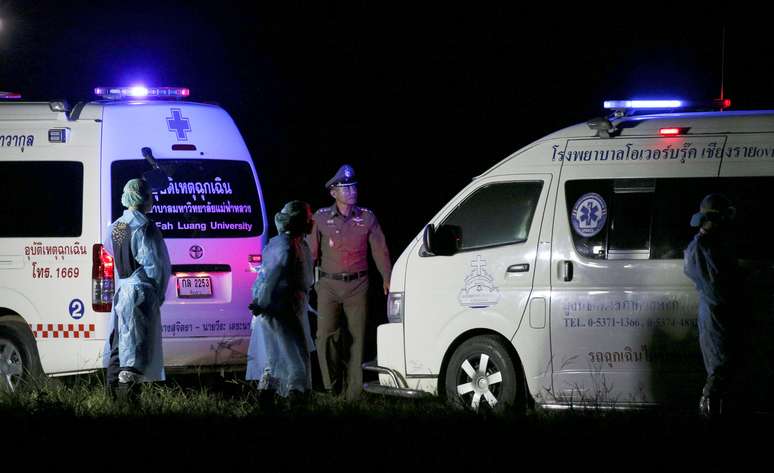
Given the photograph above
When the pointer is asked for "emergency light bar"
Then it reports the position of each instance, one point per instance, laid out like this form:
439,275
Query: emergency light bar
117,93
10,95
640,104
630,107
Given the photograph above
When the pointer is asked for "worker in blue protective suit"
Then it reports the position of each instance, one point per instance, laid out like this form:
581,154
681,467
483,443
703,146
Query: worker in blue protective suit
142,271
710,262
279,353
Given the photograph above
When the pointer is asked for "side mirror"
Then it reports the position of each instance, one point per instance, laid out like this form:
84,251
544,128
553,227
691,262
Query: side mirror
427,240
157,179
444,241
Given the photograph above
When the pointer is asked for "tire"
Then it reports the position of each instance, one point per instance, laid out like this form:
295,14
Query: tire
19,360
482,376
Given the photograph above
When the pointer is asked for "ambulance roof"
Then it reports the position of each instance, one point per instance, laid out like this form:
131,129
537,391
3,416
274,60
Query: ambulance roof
12,111
30,111
748,121
94,110
642,126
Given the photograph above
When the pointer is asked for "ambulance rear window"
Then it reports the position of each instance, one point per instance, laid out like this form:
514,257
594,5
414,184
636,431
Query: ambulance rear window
42,199
205,198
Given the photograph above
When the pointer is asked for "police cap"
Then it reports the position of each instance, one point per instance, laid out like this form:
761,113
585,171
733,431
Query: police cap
345,176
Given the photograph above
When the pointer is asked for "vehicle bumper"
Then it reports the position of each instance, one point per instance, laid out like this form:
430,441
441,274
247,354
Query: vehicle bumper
397,387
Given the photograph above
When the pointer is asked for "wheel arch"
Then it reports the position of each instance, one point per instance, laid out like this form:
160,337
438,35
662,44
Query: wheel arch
510,348
16,321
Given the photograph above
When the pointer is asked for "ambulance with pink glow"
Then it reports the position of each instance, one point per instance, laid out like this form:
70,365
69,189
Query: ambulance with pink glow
62,171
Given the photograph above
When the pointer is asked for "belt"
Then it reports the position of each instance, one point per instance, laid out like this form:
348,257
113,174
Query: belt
343,276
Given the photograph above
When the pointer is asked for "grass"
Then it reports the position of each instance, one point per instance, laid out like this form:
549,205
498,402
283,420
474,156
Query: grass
209,420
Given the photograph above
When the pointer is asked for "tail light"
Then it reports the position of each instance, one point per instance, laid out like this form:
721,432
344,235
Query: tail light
254,261
102,280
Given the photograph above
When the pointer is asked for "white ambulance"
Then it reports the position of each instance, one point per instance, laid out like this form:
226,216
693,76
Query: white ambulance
556,277
62,171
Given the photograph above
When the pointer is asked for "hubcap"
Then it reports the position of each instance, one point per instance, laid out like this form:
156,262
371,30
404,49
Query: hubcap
482,381
11,367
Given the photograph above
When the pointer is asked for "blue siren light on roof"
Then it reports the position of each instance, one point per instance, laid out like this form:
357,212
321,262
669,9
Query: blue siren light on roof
10,95
625,104
139,91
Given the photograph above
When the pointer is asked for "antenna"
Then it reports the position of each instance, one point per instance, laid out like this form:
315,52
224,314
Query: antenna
722,67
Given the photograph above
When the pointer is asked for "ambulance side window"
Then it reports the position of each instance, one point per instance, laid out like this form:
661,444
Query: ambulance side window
589,232
611,218
631,218
675,201
649,219
496,214
43,199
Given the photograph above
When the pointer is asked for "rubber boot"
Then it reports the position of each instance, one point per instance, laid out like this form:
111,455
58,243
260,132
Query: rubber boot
129,386
711,407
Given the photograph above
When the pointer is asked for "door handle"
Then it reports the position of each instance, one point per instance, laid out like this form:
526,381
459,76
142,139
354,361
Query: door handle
518,268
566,270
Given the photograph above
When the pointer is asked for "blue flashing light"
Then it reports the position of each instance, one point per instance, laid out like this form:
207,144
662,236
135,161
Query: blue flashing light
640,104
10,95
139,91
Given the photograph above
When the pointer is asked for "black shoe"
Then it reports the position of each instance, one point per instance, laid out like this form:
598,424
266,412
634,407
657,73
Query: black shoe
128,392
129,386
711,407
704,407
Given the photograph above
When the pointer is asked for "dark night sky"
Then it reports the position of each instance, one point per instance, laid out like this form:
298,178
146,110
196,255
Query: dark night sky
419,102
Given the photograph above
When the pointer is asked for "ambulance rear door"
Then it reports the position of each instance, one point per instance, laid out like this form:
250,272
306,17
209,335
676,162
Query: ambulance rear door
211,215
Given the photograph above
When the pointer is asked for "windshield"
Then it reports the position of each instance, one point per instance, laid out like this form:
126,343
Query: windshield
205,198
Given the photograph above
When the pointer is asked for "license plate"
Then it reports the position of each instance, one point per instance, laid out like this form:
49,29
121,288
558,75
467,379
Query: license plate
200,286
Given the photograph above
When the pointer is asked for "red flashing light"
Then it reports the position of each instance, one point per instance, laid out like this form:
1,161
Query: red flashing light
256,259
673,131
722,104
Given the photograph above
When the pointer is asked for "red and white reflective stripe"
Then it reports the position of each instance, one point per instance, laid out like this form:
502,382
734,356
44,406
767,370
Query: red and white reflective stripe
62,330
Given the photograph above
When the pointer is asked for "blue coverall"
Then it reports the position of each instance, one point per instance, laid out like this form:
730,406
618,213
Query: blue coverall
278,355
136,315
710,262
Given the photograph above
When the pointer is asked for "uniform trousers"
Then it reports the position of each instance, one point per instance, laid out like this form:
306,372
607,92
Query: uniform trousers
342,307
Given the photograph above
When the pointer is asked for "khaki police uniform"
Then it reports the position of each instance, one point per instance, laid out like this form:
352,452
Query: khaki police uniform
339,245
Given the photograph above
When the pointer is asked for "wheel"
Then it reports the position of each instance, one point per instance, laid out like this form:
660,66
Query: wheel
481,375
18,359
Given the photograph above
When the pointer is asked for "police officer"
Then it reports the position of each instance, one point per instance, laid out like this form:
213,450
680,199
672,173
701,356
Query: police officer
339,246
